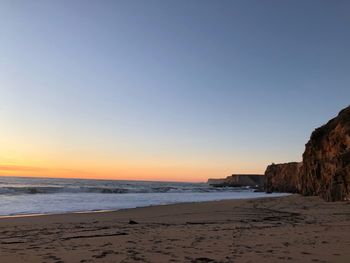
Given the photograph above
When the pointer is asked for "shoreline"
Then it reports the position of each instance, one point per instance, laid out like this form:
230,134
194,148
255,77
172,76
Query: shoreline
274,195
273,229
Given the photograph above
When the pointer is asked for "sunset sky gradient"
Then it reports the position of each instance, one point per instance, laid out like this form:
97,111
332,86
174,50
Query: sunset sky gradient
166,90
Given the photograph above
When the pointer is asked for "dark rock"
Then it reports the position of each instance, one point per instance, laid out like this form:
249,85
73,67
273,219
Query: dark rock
326,160
282,177
325,169
239,180
132,222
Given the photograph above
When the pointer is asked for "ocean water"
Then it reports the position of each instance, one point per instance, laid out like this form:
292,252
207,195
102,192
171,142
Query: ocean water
23,196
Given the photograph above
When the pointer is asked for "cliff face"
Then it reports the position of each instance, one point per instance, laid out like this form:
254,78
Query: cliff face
325,170
282,177
238,180
326,160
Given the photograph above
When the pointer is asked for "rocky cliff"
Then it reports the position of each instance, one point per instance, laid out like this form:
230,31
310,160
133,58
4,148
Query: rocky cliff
325,169
326,160
239,180
282,177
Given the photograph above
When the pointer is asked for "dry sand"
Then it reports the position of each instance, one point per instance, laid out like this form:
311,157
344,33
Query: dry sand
283,229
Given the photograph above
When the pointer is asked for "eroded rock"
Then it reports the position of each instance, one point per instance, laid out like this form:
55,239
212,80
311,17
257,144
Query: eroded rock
326,160
282,177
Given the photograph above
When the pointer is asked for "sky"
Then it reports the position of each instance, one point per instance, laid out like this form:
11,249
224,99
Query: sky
166,90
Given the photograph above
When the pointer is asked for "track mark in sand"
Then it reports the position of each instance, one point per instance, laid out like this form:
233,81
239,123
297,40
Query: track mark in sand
200,223
93,236
104,254
203,260
12,242
56,259
106,244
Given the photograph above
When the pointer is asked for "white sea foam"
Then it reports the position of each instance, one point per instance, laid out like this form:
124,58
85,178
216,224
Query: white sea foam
22,196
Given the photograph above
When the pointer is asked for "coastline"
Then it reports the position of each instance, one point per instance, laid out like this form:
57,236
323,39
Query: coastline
272,229
142,206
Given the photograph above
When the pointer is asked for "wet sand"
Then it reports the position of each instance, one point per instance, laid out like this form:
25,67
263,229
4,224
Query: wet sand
281,229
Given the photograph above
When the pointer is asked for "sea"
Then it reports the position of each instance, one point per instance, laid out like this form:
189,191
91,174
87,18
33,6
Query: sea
28,196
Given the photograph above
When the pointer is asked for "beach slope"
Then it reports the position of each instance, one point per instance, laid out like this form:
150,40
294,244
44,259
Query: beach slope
291,228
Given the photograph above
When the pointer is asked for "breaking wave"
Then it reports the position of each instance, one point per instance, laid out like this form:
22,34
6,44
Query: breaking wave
20,190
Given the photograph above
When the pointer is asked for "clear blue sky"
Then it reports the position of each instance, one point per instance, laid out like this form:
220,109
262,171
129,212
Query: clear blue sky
225,86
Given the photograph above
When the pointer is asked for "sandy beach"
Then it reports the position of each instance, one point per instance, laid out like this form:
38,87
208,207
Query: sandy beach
280,229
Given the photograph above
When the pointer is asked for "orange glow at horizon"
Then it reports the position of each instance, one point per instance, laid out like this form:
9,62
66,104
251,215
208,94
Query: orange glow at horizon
39,155
22,158
145,173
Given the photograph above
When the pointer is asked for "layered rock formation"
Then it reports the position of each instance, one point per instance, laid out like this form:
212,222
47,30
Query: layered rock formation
282,177
239,180
326,160
325,169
